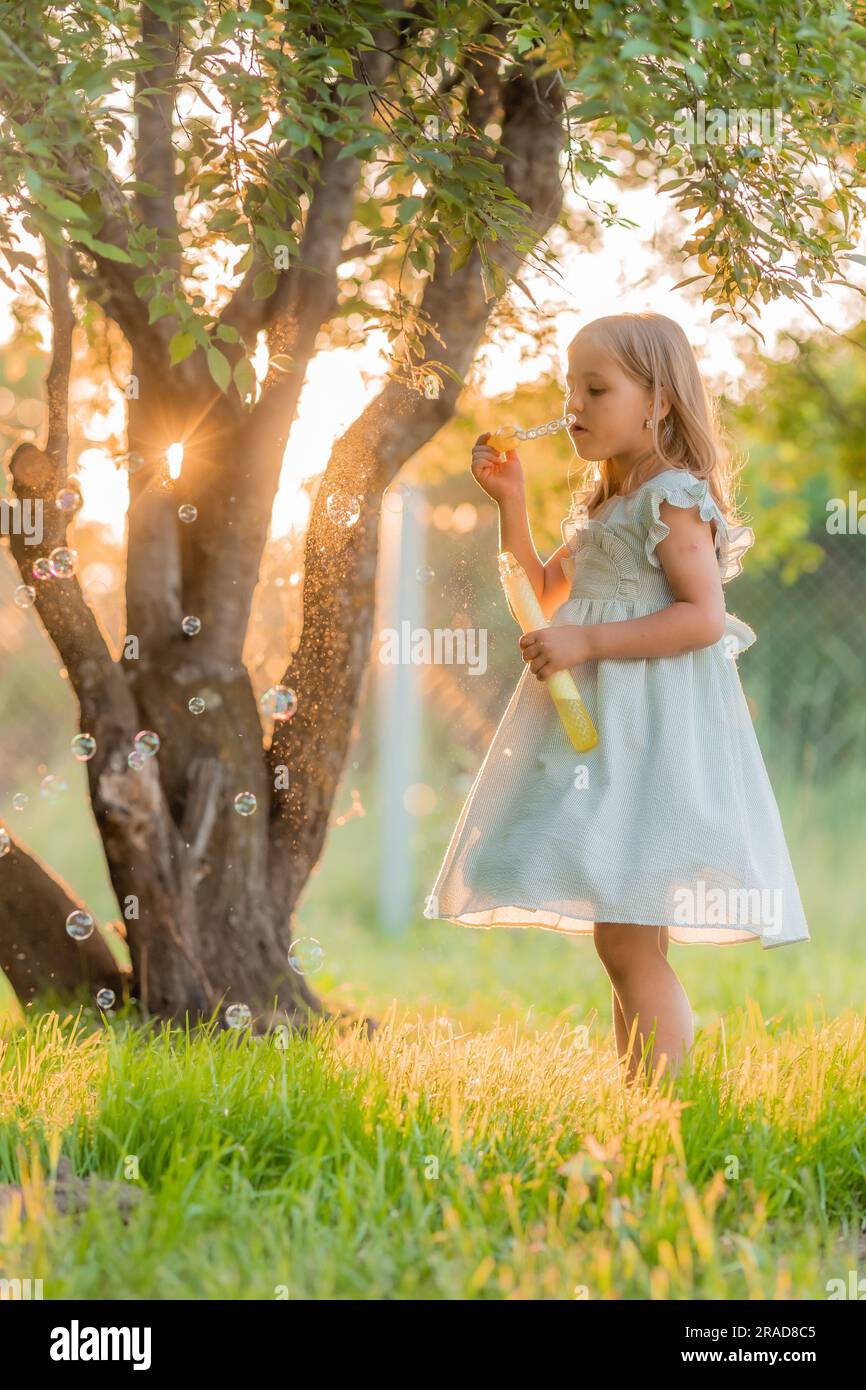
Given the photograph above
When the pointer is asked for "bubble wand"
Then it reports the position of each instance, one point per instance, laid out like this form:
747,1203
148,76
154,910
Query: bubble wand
564,693
510,435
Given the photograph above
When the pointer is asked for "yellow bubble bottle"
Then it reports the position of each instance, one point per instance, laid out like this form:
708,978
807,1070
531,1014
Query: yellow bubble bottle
510,435
563,691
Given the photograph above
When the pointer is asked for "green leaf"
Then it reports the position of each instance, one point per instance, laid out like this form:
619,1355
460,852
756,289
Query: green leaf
264,284
245,378
340,59
102,248
219,368
181,345
365,145
229,21
690,280
35,287
222,220
408,208
245,262
159,307
460,255
62,208
639,48
138,186
591,110
111,253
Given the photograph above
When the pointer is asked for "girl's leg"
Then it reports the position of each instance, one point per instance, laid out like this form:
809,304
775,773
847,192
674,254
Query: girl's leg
619,1024
645,988
620,1027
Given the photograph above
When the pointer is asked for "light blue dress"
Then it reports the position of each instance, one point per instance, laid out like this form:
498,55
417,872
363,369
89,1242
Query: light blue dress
671,819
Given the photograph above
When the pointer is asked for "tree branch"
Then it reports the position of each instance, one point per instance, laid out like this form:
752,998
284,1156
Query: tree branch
113,283
245,313
154,148
234,485
340,563
36,478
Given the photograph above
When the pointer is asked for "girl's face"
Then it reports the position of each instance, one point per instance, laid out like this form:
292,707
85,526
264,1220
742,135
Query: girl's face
610,407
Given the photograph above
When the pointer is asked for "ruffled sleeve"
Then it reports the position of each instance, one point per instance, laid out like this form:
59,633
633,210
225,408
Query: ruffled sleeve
732,540
738,636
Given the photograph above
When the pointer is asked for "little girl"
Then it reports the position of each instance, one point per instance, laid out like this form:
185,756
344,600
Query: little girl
668,828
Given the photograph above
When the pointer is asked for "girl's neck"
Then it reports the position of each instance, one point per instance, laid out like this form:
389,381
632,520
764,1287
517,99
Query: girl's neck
622,467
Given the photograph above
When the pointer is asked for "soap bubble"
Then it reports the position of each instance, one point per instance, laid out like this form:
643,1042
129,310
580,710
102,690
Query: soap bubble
146,742
187,512
137,759
280,702
105,998
424,574
51,788
343,509
98,578
83,747
5,841
68,499
245,803
19,801
306,956
25,596
79,925
238,1015
42,568
191,626
61,561
196,705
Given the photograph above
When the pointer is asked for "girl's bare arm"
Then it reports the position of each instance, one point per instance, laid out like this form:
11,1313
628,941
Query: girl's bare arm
546,577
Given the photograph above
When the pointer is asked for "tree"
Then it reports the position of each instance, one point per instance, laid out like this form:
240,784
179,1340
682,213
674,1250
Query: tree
322,146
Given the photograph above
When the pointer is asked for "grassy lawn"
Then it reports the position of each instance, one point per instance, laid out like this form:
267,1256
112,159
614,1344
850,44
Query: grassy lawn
434,1163
481,1145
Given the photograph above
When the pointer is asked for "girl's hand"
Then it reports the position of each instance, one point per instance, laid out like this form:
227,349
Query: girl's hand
555,649
501,481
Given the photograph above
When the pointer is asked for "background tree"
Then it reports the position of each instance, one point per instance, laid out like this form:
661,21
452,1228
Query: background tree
402,164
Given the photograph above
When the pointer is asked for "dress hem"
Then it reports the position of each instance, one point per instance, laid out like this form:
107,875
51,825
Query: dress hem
679,934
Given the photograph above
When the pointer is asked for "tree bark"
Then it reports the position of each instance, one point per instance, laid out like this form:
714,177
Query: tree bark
35,949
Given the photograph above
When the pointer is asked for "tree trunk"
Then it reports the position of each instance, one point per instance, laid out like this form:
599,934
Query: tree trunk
208,895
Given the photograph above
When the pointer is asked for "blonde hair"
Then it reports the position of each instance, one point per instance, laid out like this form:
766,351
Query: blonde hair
655,352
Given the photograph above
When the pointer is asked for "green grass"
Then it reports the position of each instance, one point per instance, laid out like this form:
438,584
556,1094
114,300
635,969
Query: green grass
430,1163
482,1145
